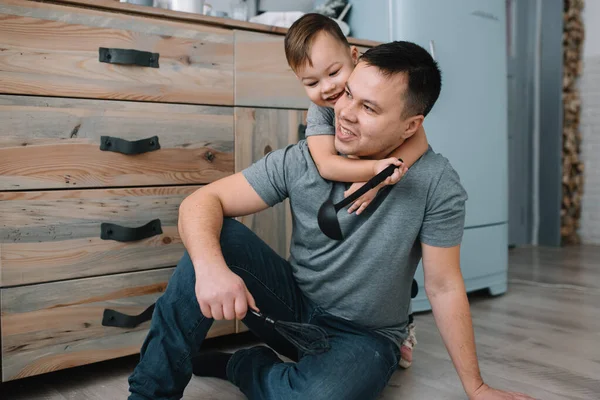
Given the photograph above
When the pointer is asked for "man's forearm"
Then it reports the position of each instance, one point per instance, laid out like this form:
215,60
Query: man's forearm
200,224
452,315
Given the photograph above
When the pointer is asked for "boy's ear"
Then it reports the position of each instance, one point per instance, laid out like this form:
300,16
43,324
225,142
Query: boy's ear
413,124
354,54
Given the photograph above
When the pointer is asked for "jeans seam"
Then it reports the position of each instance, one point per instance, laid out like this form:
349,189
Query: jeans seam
265,286
392,369
187,354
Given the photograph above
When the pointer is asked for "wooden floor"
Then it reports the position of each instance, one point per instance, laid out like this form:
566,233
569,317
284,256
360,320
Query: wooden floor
542,338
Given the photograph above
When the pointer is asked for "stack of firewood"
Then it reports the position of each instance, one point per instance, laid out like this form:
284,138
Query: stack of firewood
572,173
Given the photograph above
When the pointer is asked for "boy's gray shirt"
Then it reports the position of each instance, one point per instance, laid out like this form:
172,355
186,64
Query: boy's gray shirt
367,277
320,120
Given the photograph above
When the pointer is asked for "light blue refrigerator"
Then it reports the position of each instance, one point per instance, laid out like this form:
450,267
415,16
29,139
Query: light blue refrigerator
468,124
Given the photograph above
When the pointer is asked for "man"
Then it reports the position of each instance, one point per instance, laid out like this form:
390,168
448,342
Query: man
357,289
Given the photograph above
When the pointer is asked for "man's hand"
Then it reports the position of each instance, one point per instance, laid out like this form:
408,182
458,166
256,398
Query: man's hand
487,393
223,294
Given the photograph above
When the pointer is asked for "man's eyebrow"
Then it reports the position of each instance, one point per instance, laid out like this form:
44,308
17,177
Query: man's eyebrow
371,102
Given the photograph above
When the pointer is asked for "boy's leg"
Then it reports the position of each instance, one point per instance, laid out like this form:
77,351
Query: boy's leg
408,345
358,366
178,326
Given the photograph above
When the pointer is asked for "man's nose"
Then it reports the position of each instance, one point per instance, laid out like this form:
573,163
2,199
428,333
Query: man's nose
347,113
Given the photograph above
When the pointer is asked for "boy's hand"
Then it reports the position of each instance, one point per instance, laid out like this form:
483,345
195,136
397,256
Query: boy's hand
363,201
383,164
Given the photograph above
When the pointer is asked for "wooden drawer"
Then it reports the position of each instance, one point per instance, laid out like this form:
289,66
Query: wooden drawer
56,143
263,77
55,51
258,131
56,235
58,325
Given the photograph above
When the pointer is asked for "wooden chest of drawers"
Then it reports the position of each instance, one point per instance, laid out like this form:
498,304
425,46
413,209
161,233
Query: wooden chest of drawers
111,114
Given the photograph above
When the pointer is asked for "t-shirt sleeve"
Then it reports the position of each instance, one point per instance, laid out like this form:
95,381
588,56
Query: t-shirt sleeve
320,120
443,224
273,176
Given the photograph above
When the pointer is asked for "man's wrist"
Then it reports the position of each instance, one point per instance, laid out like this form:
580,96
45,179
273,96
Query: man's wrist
475,388
203,266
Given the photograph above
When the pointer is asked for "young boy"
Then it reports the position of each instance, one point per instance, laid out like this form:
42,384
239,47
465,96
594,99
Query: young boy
322,59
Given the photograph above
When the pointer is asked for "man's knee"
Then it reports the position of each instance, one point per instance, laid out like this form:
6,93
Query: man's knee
240,246
234,235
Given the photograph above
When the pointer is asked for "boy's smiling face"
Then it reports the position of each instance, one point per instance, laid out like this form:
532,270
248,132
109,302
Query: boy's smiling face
332,62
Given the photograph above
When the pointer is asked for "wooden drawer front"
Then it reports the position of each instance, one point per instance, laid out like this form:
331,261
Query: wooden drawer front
54,51
55,143
259,131
58,325
50,236
263,77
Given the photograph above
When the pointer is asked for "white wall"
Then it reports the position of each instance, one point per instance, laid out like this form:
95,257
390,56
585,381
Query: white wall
590,124
591,19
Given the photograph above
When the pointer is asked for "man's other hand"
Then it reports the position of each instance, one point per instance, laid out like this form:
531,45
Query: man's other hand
487,393
222,294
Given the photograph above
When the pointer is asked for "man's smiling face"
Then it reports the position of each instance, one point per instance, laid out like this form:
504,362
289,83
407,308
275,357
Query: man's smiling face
369,115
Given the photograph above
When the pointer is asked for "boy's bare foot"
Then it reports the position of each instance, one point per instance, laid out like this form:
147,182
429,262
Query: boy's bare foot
406,350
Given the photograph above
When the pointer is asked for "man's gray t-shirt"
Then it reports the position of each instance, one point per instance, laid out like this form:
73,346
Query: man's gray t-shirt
367,277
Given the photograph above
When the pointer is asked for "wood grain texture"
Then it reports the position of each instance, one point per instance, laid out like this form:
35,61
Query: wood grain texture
262,75
58,325
540,338
55,235
55,143
257,132
54,52
133,9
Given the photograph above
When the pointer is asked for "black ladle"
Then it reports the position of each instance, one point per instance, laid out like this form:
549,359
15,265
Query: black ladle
327,217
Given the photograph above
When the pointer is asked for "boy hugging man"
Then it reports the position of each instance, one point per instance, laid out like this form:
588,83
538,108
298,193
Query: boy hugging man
322,59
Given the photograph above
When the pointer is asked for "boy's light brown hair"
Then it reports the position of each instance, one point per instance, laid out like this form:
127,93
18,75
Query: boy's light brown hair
302,33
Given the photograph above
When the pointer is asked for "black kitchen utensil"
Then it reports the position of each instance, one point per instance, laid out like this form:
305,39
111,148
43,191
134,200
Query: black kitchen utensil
308,338
327,218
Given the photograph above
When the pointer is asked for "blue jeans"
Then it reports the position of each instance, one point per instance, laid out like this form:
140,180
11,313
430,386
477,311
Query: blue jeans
357,366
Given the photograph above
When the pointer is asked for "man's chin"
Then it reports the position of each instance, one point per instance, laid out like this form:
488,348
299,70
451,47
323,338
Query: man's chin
344,148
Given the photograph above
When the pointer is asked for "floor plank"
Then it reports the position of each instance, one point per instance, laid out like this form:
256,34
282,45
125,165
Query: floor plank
539,338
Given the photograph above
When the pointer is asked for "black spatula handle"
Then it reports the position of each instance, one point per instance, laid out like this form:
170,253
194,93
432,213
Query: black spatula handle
373,182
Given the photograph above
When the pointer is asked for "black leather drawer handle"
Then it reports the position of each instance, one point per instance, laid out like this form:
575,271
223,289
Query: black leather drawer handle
128,57
118,145
119,233
120,320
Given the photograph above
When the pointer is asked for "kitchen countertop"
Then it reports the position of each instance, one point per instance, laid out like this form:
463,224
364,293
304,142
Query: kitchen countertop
126,8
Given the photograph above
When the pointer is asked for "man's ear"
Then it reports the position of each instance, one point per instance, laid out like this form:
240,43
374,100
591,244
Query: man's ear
354,54
412,126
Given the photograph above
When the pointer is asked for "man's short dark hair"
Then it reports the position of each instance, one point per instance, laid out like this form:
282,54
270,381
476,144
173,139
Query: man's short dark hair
423,73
